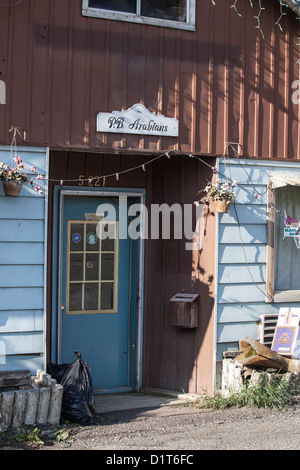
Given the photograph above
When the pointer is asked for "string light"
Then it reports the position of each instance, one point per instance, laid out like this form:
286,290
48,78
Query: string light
282,13
258,16
227,145
235,8
258,19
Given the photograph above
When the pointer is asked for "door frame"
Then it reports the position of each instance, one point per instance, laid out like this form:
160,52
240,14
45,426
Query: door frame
58,210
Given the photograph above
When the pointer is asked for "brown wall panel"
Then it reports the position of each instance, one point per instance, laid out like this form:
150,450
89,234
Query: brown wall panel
223,82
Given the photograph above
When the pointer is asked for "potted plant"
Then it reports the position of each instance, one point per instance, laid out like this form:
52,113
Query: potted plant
13,178
220,193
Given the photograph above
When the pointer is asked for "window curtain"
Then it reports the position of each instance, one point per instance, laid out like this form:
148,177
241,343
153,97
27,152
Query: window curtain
287,254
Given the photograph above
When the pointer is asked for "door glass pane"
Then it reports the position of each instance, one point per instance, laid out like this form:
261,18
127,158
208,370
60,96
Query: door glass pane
92,267
75,297
107,295
76,237
127,6
92,240
107,233
164,9
76,267
108,245
91,296
107,266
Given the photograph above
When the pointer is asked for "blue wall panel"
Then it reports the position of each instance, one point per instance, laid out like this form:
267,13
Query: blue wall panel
20,253
242,243
22,267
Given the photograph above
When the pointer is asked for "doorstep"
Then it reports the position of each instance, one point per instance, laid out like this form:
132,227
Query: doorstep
140,400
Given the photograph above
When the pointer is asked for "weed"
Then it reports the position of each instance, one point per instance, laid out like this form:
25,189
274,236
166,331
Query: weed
275,394
31,436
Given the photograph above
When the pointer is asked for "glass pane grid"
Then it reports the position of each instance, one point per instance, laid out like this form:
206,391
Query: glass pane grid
172,10
92,273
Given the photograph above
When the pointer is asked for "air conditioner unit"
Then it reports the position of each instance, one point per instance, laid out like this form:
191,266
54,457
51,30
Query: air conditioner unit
267,328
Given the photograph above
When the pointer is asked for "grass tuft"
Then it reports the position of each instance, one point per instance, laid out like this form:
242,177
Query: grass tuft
276,394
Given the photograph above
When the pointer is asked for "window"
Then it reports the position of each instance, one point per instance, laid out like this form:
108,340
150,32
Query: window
170,13
92,269
283,258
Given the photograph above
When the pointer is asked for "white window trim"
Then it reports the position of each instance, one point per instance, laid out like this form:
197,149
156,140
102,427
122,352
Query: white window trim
132,18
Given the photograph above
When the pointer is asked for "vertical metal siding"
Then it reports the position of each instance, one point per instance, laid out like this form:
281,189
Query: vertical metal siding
223,82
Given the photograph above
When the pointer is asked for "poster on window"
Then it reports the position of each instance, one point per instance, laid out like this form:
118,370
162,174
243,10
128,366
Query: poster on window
292,229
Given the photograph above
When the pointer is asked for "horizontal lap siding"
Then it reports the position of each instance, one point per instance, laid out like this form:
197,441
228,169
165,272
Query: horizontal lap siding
242,252
22,265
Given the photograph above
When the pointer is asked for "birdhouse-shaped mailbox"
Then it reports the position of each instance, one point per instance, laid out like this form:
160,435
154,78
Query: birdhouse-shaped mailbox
184,310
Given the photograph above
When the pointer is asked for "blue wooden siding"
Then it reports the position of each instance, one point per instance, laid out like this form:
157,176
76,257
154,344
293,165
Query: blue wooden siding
22,268
242,242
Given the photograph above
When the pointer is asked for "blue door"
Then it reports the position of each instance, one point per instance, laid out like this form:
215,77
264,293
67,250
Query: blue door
98,282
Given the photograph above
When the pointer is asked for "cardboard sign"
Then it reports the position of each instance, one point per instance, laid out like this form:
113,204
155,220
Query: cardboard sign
286,339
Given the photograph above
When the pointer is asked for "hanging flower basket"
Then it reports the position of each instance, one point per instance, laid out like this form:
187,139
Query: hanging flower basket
222,205
12,188
13,178
222,195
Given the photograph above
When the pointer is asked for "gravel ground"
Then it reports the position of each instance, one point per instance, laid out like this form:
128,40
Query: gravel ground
175,428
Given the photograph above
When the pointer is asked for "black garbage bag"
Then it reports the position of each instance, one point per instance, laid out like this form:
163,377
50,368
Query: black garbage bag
78,404
57,371
74,407
78,373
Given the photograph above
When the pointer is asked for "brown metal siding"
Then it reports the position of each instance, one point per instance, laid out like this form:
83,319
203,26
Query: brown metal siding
223,82
173,358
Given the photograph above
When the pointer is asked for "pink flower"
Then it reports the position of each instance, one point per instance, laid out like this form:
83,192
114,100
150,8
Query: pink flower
33,169
37,188
39,177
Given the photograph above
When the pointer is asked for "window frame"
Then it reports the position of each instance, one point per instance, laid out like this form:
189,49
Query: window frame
188,25
272,295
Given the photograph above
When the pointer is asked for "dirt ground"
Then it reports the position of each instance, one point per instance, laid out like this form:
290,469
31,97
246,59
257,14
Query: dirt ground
173,428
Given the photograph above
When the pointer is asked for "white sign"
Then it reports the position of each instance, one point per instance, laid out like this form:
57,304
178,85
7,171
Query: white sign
292,229
291,232
137,120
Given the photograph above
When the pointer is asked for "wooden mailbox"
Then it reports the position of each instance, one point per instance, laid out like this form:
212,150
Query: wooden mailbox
184,310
